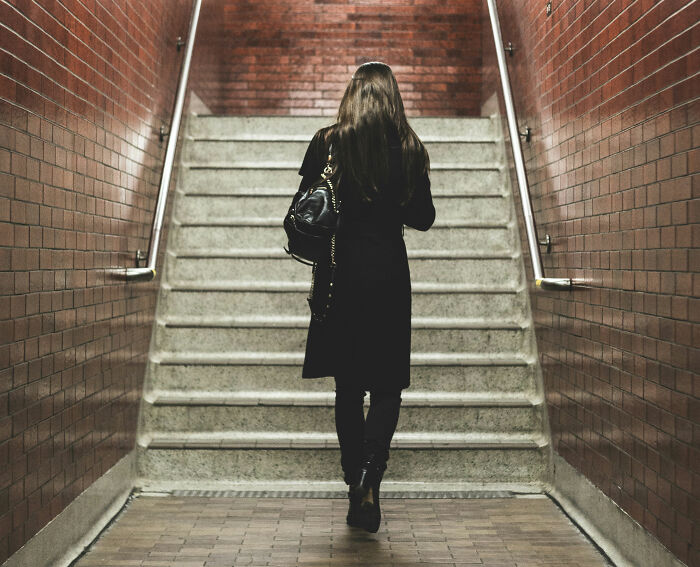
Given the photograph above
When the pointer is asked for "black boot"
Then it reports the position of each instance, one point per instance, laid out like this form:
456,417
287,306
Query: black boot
367,493
353,519
354,496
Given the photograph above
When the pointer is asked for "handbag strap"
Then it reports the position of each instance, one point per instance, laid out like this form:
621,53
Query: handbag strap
328,170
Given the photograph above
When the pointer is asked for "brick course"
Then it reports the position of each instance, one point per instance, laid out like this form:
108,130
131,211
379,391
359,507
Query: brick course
610,91
84,87
296,56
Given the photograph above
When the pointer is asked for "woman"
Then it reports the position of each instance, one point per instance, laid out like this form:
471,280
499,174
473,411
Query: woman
365,341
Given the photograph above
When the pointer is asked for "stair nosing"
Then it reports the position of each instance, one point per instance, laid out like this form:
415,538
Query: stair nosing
432,139
490,166
329,119
274,253
294,322
302,440
306,398
251,192
275,222
277,358
225,286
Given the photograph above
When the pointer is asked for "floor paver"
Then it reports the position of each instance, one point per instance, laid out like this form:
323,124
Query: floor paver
210,531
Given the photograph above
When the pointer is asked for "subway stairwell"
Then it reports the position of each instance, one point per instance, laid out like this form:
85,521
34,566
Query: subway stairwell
224,401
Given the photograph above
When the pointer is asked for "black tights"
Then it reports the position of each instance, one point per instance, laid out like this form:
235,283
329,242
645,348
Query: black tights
363,439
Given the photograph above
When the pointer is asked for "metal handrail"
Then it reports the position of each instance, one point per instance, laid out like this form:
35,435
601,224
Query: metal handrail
533,243
148,272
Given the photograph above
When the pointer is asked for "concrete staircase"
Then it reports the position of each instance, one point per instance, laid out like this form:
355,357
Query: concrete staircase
224,402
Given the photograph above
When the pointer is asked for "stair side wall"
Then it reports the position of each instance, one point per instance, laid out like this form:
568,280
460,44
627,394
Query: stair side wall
80,161
612,167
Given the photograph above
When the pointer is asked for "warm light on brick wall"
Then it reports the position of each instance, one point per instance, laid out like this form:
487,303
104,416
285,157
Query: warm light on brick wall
296,56
610,90
83,91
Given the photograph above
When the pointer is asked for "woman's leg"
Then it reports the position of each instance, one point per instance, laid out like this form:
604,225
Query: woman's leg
381,423
382,417
350,426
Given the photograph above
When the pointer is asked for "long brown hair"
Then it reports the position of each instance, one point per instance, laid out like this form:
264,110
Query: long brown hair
370,111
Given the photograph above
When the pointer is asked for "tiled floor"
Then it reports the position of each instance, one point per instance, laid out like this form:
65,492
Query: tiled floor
222,531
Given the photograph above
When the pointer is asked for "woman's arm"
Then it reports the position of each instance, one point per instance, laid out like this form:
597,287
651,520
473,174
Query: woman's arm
314,160
419,212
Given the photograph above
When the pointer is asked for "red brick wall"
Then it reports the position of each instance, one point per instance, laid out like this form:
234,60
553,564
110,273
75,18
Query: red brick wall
296,56
610,90
84,87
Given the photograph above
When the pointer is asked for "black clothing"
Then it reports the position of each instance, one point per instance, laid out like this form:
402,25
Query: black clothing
367,334
360,438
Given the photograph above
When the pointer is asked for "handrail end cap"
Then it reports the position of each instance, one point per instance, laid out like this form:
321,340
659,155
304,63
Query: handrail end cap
554,283
139,274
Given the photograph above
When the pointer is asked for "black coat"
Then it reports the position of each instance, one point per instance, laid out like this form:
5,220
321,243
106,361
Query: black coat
366,338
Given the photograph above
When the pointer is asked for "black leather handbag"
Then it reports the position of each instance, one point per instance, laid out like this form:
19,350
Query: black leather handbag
312,219
311,223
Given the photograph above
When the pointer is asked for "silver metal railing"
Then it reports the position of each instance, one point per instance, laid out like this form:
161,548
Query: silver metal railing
148,272
533,242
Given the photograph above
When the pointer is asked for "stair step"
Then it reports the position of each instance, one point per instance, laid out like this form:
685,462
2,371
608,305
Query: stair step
460,271
235,153
213,125
186,298
224,181
279,253
290,411
293,286
327,440
275,222
200,209
292,322
274,333
487,236
272,456
503,464
305,398
247,127
304,137
296,358
500,380
293,165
